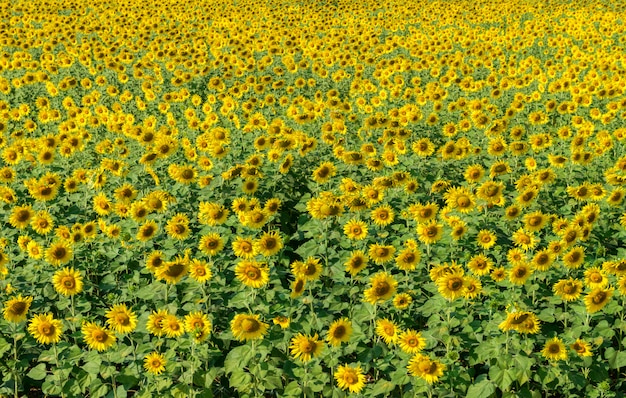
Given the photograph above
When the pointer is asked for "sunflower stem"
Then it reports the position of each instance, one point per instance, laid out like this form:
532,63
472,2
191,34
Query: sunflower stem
113,385
56,362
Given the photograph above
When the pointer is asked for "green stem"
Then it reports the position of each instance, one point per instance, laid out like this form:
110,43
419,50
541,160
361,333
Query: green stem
56,361
113,378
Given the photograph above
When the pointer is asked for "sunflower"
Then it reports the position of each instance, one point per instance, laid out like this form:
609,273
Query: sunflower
425,368
155,261
155,322
45,329
568,289
486,239
582,348
381,254
491,192
460,199
198,324
535,221
178,227
474,173
350,378
452,286
243,247
212,214
542,260
309,270
147,231
408,259
574,258
402,301
97,337
521,321
121,319
356,262
595,278
173,271
621,285
67,282
411,341
597,299
248,327
211,244
423,213
297,287
200,270
172,326
524,240
383,287
382,215
324,172
252,273
520,273
42,222
554,350
269,244
430,233
256,218
282,321
58,253
154,363
480,265
387,330
339,332
473,287
15,309
34,250
355,229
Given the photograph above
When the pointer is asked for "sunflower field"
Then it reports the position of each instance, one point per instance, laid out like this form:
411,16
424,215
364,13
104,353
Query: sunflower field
218,198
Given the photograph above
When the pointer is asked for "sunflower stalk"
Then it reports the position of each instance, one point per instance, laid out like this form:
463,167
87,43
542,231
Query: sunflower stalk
56,362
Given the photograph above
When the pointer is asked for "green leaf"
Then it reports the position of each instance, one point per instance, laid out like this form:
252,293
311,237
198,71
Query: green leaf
293,389
238,358
482,389
4,346
39,372
240,380
501,377
92,367
382,387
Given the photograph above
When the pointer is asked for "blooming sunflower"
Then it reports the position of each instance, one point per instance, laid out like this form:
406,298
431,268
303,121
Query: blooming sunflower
297,287
211,244
582,348
425,368
282,321
595,278
248,327
147,231
200,270
21,216
486,239
42,222
155,322
574,258
568,289
387,330
15,309
597,299
173,271
382,215
172,326
408,259
350,378
402,301
339,332
356,262
522,321
269,244
306,347
381,254
198,324
154,363
452,286
411,341
121,319
58,253
67,282
45,329
520,273
178,227
524,240
430,233
383,287
480,265
97,337
309,270
554,350
243,247
252,273
355,229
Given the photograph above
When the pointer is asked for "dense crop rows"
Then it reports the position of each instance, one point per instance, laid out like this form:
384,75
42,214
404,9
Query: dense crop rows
278,198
